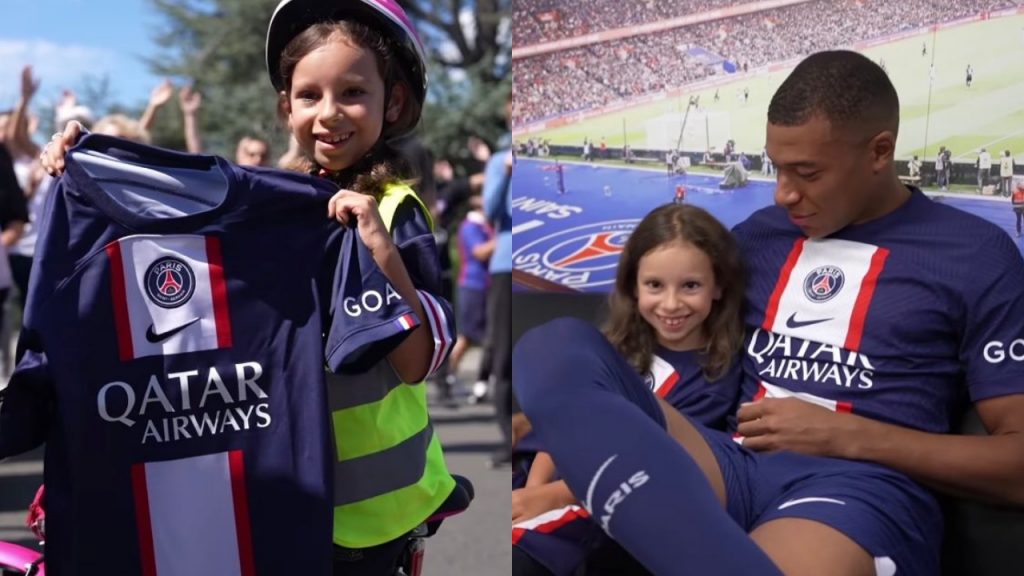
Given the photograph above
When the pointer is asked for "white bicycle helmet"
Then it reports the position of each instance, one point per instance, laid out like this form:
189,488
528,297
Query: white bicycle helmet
293,16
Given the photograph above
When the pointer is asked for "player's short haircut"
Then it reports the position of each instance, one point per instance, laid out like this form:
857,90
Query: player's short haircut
847,88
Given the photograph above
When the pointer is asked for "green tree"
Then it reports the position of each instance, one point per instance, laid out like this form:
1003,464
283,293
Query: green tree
470,46
217,46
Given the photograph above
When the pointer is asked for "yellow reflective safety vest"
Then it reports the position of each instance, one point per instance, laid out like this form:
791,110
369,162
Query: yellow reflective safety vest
389,474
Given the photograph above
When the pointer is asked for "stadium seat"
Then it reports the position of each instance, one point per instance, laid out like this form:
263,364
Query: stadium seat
981,540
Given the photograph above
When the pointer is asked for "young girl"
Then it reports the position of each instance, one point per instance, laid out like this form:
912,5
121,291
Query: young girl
675,317
351,79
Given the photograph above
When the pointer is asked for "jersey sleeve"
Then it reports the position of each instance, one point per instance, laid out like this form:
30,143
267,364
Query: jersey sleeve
992,349
368,317
419,254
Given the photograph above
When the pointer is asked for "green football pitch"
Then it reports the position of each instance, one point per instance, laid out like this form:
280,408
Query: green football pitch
942,112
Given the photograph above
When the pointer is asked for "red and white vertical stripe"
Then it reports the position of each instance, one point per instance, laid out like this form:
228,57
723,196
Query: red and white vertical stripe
192,516
665,377
838,321
440,329
135,313
766,390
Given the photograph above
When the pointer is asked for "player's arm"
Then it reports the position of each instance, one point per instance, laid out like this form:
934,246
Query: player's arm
987,468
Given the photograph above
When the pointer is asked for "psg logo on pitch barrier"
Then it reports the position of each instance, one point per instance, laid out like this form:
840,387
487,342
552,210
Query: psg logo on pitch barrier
580,257
823,283
170,282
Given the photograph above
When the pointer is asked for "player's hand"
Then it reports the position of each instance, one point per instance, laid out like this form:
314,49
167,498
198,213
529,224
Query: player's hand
532,502
792,424
52,157
346,204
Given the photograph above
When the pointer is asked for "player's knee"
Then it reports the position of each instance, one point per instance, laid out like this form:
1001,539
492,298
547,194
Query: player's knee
804,547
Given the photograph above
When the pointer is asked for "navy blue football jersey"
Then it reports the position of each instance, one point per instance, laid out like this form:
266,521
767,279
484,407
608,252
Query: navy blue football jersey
902,319
180,313
678,378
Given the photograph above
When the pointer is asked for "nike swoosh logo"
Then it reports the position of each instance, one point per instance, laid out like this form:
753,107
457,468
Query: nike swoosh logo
809,500
792,322
156,338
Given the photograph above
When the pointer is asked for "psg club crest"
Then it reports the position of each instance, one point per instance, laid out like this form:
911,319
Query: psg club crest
170,282
823,283
649,380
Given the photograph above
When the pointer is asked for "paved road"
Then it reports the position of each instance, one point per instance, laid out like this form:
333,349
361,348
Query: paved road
19,479
476,543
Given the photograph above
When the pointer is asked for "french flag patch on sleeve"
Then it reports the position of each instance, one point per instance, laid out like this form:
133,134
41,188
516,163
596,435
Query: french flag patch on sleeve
406,322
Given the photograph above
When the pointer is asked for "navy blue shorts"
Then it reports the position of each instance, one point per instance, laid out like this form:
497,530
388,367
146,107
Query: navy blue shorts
892,517
472,319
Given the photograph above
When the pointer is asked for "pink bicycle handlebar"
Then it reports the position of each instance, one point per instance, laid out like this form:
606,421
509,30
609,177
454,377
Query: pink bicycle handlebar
15,557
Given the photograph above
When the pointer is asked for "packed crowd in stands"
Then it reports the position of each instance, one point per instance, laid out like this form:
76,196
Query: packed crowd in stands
538,21
598,74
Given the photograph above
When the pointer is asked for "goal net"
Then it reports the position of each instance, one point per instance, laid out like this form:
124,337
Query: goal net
703,129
